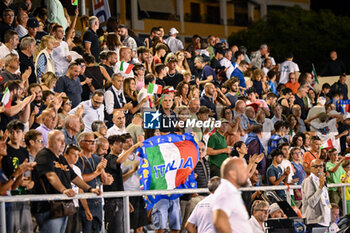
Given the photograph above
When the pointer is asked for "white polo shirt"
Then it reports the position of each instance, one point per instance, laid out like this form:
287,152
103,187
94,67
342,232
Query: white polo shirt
202,215
228,199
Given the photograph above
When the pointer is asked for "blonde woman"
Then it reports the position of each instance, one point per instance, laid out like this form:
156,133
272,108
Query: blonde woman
44,61
48,81
181,65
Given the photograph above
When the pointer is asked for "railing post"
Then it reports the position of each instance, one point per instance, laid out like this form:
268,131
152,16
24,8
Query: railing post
343,189
3,217
126,214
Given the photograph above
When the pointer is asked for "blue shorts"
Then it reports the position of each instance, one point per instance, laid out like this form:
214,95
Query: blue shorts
165,210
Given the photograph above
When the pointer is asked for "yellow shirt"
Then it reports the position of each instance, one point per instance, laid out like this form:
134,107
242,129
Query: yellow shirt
347,188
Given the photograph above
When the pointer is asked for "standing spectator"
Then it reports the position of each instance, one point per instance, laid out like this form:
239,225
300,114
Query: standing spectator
173,43
70,84
173,78
260,214
125,57
102,146
255,146
278,137
345,178
92,169
299,173
44,61
130,93
53,175
34,142
55,13
228,209
316,206
32,27
239,73
92,110
112,59
217,149
10,72
258,56
127,40
99,129
119,124
49,121
274,173
335,170
226,62
144,95
98,74
22,19
334,66
60,54
287,67
313,153
292,83
168,117
296,111
71,129
90,38
159,53
340,87
299,100
201,217
135,128
26,53
8,16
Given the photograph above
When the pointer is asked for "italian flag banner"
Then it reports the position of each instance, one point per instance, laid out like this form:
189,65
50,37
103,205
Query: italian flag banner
327,144
314,75
167,162
154,89
6,99
126,67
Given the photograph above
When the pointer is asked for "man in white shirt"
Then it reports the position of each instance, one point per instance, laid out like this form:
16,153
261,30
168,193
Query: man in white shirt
173,43
119,124
22,19
123,66
11,41
60,54
260,214
91,110
287,67
201,219
229,211
226,61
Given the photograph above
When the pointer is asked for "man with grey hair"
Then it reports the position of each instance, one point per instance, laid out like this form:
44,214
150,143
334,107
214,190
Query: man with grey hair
11,66
102,146
208,74
26,53
115,99
201,217
258,56
71,129
90,38
260,214
119,124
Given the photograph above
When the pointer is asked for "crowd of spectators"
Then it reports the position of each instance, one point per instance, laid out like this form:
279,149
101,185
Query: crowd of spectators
72,119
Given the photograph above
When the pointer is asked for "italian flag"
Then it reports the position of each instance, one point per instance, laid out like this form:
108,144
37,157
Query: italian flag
154,89
75,2
327,144
314,75
126,67
6,99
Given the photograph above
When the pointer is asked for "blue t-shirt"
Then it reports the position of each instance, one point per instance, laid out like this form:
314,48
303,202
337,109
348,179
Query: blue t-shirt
207,71
238,73
277,172
71,87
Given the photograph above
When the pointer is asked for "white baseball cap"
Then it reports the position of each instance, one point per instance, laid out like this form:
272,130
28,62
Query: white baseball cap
173,31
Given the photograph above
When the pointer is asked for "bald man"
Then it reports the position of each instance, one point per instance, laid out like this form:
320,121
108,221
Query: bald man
229,212
48,123
71,129
207,99
54,173
119,124
316,206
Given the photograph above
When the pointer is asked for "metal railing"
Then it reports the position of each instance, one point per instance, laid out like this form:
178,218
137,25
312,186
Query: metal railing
126,194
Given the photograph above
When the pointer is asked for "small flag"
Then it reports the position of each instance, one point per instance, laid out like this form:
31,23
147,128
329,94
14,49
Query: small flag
154,89
314,75
327,145
75,2
6,99
126,67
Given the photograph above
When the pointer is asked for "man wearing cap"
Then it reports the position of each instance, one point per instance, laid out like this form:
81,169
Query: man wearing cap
32,27
316,207
217,148
173,43
173,77
127,40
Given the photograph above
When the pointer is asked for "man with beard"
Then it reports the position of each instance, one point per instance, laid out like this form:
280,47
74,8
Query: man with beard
229,211
126,39
125,57
36,107
111,60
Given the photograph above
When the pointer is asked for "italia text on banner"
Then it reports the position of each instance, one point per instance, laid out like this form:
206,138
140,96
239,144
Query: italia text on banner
167,162
101,10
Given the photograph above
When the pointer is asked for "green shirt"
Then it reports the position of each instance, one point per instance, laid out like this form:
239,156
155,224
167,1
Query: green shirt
217,141
334,177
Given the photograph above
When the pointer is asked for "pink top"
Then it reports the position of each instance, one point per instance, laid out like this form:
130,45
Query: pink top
139,85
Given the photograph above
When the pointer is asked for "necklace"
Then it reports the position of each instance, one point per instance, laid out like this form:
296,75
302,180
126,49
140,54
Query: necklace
171,75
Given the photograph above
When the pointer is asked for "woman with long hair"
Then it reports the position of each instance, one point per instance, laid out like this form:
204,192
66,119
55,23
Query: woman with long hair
130,93
150,65
99,75
183,90
64,111
113,43
139,75
48,81
194,92
293,126
234,131
298,141
181,65
44,61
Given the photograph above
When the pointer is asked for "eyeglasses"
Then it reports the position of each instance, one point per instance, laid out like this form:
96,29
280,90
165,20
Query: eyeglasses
263,210
317,166
90,141
68,103
8,15
40,141
96,102
201,149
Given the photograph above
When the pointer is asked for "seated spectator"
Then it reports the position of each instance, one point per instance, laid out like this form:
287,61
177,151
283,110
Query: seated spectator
296,111
201,217
208,74
260,214
144,97
299,99
275,211
10,72
130,93
10,44
135,128
256,103
60,54
274,173
271,81
102,146
257,81
293,83
173,78
333,227
159,53
99,75
99,129
208,100
6,24
71,129
233,91
239,73
255,146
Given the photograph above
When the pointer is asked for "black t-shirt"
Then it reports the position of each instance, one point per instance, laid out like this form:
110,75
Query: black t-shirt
47,162
91,37
26,62
109,70
85,95
160,82
13,159
6,119
114,169
173,79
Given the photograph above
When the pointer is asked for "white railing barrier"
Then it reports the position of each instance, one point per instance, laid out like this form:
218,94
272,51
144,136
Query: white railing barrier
126,194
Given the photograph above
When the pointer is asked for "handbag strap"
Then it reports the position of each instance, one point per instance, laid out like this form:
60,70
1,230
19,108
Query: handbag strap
42,184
